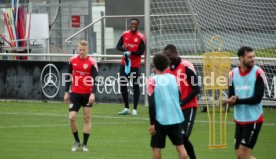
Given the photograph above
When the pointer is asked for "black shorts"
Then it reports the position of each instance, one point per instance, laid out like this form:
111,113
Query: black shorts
78,100
124,78
247,135
173,131
187,125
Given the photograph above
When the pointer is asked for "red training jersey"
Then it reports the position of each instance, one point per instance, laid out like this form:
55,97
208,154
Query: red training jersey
180,73
82,82
132,40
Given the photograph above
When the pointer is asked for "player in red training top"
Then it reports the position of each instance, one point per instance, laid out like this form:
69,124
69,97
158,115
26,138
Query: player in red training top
188,81
84,70
132,43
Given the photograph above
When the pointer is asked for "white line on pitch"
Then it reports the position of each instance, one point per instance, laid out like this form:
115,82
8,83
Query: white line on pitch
65,125
105,117
32,126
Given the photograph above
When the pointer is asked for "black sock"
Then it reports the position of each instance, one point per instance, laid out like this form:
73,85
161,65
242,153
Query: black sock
85,138
136,95
189,148
76,136
125,95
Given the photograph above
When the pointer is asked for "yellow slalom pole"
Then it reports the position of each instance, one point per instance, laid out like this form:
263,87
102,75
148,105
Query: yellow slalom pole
220,116
214,117
225,125
209,118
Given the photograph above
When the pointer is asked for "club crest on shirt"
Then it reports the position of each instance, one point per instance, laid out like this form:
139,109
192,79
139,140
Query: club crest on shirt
136,40
179,71
85,66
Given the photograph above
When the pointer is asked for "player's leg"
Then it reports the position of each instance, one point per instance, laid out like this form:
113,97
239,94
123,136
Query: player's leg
73,123
176,137
87,120
123,86
238,135
248,140
87,127
244,152
187,127
156,153
158,140
136,89
74,107
182,154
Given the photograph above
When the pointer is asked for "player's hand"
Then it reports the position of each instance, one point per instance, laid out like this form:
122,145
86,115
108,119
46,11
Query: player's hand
66,98
152,130
231,101
126,46
91,99
127,54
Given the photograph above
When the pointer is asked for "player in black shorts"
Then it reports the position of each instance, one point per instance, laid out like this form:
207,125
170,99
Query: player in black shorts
84,70
164,109
246,91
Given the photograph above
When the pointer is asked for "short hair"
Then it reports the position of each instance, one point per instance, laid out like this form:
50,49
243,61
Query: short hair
135,20
160,62
83,43
170,47
243,50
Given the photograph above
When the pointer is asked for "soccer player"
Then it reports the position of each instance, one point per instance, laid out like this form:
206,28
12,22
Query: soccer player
164,109
84,70
132,43
188,81
246,90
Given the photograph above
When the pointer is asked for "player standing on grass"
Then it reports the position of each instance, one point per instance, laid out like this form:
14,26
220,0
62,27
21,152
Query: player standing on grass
164,109
84,70
188,81
132,43
246,90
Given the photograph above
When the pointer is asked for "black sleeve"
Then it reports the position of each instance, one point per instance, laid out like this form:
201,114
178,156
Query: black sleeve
141,49
152,113
120,44
95,79
193,82
67,78
231,90
258,93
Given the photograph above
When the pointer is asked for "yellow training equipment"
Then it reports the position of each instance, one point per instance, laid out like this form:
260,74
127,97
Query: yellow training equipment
216,66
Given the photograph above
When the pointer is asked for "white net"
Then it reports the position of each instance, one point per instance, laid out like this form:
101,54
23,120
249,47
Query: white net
2,23
190,24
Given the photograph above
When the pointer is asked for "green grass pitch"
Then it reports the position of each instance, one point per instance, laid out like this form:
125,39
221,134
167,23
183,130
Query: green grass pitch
41,131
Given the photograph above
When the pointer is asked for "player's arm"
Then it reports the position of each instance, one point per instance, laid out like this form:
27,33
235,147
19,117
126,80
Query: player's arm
231,90
151,100
141,49
258,93
120,45
68,78
94,73
152,113
193,82
68,83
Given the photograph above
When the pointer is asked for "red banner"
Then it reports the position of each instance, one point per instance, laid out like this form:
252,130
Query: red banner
75,21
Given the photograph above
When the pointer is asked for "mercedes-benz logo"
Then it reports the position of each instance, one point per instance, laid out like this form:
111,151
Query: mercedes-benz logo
50,80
